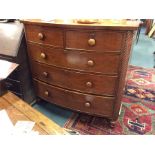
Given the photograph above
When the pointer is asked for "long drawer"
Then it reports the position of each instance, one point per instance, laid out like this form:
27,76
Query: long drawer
92,104
106,63
91,40
83,82
45,35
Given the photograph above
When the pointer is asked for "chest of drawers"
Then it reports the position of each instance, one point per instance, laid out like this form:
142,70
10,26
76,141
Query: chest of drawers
80,67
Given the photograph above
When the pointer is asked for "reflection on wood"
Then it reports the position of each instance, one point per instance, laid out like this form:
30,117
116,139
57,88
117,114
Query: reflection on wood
20,110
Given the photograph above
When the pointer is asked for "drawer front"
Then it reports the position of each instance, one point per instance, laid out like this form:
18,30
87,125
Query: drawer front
77,101
83,82
45,35
101,40
82,61
13,85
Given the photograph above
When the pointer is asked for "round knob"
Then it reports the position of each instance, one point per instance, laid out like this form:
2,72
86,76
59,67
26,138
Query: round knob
87,104
46,93
45,74
91,42
89,84
40,36
43,55
90,63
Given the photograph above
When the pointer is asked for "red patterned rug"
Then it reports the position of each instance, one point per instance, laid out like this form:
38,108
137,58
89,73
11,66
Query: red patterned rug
138,109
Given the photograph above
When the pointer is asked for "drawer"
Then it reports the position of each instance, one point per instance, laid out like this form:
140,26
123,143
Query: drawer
44,35
106,63
83,82
100,40
13,85
92,104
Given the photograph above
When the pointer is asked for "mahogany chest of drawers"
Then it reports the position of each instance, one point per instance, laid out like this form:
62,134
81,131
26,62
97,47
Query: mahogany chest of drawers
80,67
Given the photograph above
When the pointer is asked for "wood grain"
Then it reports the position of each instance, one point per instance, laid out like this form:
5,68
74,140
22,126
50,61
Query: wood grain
92,64
20,110
74,80
105,24
51,36
78,60
79,40
99,105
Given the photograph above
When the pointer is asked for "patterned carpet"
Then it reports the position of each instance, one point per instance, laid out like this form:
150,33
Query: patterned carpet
138,109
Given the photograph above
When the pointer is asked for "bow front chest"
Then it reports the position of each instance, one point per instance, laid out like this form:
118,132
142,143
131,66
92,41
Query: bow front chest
80,66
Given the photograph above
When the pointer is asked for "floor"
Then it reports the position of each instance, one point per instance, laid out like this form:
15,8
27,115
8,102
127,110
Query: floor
142,55
57,114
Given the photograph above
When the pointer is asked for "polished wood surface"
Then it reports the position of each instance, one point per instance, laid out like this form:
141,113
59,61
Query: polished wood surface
70,23
94,40
106,63
74,80
99,105
48,35
18,110
87,73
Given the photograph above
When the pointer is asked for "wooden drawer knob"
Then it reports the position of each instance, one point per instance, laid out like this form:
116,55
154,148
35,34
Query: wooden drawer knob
46,93
91,42
89,84
40,36
43,55
90,63
45,74
87,104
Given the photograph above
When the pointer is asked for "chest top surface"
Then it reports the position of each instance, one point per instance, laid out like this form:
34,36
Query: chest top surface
95,24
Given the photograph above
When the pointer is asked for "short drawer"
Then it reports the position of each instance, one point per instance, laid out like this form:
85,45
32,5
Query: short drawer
92,104
83,82
100,40
98,62
13,85
44,35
